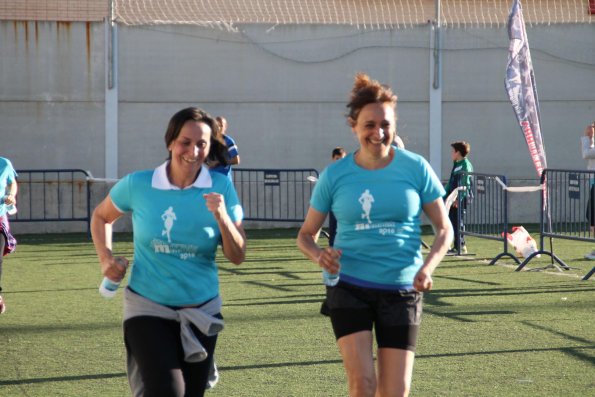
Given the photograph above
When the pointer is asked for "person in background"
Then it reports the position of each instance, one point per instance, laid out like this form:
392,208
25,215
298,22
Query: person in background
460,163
232,154
377,194
181,212
8,199
223,166
337,154
588,151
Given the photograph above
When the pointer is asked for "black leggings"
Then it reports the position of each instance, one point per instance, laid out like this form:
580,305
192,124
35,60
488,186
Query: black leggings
2,245
156,347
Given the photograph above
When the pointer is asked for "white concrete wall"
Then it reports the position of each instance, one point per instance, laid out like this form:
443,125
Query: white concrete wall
51,95
283,90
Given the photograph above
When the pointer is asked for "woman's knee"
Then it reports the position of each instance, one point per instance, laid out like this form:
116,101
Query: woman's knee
362,385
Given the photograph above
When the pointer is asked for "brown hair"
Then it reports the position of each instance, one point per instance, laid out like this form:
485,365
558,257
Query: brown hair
218,148
338,151
462,147
366,91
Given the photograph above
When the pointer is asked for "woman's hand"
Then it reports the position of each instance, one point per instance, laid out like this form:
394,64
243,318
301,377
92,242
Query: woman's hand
216,204
10,199
329,260
114,267
233,238
590,130
422,281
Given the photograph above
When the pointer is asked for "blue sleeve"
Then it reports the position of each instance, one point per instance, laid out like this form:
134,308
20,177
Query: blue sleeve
232,203
11,174
321,199
120,194
431,188
232,148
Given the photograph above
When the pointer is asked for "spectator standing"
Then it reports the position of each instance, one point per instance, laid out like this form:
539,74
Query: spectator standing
588,151
460,163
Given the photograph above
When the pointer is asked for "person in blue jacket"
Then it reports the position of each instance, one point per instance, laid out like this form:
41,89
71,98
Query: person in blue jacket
181,212
232,154
377,195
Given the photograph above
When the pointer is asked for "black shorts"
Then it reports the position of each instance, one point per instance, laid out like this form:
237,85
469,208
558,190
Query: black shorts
395,315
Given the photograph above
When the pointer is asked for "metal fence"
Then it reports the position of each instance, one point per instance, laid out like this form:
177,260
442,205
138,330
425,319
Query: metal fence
61,195
65,195
280,195
486,213
567,211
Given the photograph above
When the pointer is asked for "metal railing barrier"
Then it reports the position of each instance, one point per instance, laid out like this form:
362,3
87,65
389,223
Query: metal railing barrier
567,211
280,195
485,213
59,195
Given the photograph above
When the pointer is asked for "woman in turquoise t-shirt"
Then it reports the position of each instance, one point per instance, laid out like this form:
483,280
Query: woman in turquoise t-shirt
180,212
377,195
8,194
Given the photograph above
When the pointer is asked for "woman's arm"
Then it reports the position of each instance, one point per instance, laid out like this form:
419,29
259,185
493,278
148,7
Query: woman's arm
11,197
102,220
233,237
436,212
327,258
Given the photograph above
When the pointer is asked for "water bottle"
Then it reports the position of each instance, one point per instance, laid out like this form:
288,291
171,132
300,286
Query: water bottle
11,209
330,279
108,288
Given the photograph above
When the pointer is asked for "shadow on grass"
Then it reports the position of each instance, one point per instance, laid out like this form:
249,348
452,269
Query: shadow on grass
37,329
284,302
574,352
249,272
435,297
31,381
467,280
571,350
322,294
34,291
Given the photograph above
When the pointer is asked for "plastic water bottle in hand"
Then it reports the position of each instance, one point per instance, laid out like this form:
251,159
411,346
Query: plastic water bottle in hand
330,279
11,209
108,288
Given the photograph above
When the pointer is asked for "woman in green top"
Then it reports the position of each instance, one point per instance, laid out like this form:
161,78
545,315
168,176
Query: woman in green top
460,151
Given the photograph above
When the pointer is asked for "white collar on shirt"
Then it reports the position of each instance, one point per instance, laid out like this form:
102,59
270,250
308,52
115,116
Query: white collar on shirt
161,181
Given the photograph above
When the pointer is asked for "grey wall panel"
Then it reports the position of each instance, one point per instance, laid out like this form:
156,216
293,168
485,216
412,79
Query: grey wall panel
51,61
49,135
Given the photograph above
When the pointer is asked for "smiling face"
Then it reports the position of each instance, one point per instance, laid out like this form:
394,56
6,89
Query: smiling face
191,147
375,129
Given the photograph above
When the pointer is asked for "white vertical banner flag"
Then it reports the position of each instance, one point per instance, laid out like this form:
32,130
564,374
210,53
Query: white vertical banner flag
520,86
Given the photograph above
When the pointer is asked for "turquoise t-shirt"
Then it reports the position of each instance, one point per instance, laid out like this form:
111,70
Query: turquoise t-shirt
378,217
175,235
7,177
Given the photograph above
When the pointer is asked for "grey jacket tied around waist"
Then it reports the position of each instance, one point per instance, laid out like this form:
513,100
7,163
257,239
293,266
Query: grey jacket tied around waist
201,317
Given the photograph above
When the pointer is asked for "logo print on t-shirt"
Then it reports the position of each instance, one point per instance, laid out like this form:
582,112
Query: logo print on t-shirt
168,217
366,200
